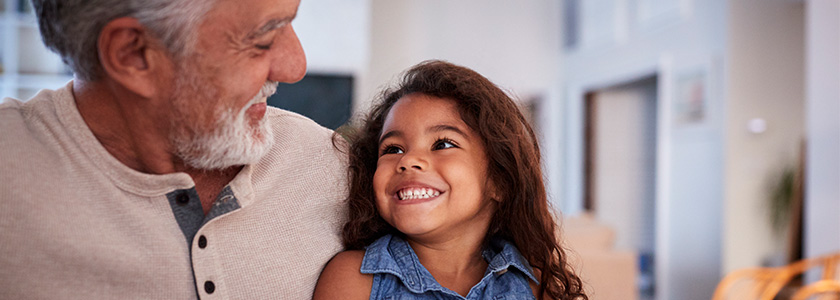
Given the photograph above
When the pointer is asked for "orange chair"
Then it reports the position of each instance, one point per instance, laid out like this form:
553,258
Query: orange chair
766,283
821,287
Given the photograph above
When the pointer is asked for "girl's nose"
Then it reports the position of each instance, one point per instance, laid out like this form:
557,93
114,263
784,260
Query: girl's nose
416,167
412,162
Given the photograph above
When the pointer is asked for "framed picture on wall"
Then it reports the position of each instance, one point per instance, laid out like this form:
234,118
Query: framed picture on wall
691,98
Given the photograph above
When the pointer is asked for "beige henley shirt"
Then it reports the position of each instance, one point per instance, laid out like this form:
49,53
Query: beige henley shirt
75,223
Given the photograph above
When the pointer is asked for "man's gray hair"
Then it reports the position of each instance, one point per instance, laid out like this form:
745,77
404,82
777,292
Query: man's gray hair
71,28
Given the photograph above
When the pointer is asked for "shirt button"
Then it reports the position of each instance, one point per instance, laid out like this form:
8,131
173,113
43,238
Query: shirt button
209,287
182,199
202,242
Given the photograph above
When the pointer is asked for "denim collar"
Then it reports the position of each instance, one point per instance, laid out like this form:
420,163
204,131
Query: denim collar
508,256
391,254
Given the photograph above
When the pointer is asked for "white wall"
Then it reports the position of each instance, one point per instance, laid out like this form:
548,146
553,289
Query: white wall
765,72
822,194
513,43
335,35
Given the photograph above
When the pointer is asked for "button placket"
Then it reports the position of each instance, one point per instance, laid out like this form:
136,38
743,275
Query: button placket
204,257
200,252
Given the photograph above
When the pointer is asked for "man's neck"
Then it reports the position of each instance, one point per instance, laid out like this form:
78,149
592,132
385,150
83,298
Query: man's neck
209,184
130,128
135,131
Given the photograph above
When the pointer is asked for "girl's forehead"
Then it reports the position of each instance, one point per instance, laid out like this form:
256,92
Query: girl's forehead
423,110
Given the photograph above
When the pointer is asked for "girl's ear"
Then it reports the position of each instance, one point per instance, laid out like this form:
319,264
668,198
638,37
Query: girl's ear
492,191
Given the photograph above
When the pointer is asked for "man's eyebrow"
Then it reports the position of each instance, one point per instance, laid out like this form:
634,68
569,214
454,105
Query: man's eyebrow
269,26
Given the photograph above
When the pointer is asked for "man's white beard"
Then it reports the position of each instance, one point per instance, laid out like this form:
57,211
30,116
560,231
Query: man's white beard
233,141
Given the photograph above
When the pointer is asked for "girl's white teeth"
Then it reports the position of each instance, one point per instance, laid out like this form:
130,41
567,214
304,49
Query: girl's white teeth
417,193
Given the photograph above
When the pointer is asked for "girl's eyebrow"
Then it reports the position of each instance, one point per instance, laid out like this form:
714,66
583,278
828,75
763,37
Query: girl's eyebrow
443,127
436,128
388,134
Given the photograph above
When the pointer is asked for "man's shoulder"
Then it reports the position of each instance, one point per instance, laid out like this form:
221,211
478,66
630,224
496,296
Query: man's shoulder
23,122
41,108
298,139
32,143
15,132
292,121
295,131
11,112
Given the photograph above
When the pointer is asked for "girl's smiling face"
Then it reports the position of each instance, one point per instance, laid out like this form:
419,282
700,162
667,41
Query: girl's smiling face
431,176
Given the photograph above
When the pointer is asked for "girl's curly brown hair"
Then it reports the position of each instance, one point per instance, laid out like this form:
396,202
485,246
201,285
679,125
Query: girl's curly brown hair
523,215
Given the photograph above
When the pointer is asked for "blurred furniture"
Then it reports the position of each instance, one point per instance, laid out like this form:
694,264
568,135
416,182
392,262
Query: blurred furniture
771,283
606,273
26,65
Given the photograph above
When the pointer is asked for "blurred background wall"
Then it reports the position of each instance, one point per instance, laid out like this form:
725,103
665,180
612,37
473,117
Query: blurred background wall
669,121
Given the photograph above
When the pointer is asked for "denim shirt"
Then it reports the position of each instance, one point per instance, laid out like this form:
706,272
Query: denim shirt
398,274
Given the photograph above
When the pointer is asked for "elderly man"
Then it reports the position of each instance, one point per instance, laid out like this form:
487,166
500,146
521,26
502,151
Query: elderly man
159,172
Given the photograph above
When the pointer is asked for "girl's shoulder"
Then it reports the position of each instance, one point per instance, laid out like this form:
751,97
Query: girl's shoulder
341,278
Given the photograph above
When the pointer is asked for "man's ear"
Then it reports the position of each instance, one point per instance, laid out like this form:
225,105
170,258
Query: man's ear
131,56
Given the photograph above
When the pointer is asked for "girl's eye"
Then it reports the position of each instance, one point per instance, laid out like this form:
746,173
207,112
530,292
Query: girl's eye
391,150
443,144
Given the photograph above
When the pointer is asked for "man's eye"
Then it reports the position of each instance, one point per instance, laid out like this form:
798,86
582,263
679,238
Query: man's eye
443,144
391,150
264,46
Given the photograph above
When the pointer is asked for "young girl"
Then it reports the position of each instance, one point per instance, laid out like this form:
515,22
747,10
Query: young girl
447,199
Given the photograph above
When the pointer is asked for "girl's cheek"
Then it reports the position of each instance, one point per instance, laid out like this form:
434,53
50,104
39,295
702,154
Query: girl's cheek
379,180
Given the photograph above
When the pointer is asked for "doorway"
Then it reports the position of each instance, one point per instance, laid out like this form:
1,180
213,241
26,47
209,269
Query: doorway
620,168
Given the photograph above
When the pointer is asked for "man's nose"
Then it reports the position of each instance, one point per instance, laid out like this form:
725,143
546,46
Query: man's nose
288,63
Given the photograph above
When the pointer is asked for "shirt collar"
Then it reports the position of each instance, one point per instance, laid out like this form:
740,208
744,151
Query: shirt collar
391,254
502,255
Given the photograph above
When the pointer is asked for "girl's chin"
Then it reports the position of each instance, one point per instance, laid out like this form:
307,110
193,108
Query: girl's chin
413,230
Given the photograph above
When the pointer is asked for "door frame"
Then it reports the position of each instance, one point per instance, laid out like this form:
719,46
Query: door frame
574,185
